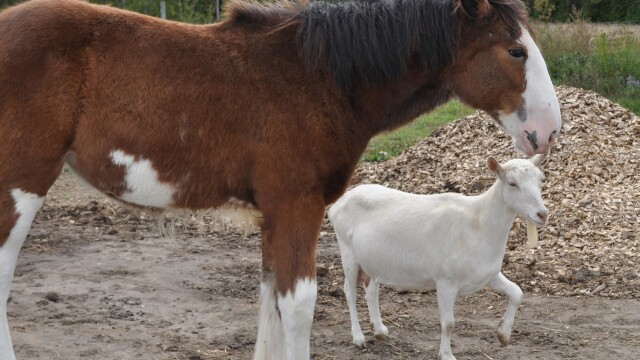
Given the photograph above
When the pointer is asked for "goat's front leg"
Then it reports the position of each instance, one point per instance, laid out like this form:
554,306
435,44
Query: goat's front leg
290,233
503,285
371,290
446,294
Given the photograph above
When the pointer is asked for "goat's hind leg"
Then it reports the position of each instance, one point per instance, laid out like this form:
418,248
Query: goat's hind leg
351,269
503,285
17,210
371,289
446,294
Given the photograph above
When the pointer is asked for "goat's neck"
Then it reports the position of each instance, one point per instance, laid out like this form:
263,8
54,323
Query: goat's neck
495,213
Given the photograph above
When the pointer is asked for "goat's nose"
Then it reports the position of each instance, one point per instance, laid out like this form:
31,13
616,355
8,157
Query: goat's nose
542,215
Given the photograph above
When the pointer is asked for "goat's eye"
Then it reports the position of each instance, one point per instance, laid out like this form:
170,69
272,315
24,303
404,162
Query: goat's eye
517,52
513,185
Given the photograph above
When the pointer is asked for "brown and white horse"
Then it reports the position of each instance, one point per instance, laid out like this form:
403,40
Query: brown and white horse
271,109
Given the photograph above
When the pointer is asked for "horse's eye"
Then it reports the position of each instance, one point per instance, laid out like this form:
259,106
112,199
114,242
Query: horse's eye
517,53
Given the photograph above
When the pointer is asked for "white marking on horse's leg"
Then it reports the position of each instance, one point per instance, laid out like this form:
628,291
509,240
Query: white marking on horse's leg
270,337
446,295
142,182
503,285
26,205
296,310
380,331
350,269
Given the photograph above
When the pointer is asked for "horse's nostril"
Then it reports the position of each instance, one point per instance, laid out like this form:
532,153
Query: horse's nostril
542,215
552,137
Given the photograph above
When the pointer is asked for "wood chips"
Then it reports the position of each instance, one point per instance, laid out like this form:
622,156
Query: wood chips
590,245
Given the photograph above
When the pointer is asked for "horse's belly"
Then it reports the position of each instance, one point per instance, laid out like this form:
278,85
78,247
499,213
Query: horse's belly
142,184
132,179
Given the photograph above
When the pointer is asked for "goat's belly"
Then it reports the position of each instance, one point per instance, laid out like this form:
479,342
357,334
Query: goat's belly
401,279
476,283
403,285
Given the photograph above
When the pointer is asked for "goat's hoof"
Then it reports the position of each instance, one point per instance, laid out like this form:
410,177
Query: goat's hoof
446,357
504,337
382,333
359,341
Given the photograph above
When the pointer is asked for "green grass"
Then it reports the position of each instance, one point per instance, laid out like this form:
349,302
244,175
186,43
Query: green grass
385,146
585,56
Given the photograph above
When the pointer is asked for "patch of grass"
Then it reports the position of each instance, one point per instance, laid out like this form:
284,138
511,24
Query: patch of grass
589,57
385,146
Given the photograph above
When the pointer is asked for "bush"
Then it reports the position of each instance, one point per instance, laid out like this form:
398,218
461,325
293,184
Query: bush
585,56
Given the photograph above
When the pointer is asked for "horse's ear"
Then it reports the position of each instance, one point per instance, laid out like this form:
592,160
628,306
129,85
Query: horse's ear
474,9
494,166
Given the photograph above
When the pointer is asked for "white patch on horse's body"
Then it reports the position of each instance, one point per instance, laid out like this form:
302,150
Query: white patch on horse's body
26,205
296,311
142,182
540,102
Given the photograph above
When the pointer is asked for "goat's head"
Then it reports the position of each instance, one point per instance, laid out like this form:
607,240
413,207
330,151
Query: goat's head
521,186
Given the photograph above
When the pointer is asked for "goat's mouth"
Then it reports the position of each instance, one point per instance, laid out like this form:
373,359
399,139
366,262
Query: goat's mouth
537,223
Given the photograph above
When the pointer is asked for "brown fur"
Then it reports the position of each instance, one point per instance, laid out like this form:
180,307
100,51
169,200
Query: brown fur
224,110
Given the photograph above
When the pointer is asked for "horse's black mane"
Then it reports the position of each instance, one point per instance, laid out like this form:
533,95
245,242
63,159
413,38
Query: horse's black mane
371,41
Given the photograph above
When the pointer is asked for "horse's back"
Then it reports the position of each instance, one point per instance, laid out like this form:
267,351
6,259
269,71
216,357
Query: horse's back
213,109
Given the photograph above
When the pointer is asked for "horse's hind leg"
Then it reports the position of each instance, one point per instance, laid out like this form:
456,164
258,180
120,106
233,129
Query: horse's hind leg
17,210
289,236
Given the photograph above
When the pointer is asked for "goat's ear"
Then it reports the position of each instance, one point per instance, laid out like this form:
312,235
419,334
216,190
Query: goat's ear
474,9
494,166
538,159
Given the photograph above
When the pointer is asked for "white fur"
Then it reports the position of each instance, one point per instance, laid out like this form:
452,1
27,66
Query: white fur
26,205
142,182
541,102
269,342
450,242
285,336
296,310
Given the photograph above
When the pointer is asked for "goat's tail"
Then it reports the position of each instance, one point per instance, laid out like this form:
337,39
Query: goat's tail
333,211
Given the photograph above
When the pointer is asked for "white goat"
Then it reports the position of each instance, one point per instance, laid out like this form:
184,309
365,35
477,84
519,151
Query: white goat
450,242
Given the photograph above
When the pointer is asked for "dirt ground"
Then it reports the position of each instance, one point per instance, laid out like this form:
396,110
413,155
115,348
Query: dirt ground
98,281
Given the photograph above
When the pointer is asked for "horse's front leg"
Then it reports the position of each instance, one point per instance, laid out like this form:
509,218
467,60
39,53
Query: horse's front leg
289,236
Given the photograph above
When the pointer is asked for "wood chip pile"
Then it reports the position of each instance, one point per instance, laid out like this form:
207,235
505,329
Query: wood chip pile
591,244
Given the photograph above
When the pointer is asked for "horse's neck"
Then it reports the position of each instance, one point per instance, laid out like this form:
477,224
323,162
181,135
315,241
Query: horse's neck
386,107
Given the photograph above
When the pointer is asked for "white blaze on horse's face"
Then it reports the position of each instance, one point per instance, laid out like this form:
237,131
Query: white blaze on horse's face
535,125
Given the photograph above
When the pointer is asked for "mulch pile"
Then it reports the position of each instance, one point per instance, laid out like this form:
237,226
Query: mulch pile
590,245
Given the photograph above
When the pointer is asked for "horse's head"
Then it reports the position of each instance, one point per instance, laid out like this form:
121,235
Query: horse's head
500,70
